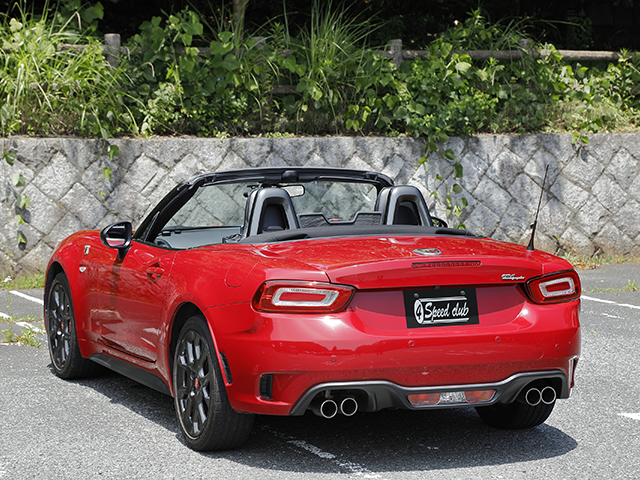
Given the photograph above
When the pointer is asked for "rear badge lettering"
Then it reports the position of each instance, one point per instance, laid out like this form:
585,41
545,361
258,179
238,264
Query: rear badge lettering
446,306
427,251
508,277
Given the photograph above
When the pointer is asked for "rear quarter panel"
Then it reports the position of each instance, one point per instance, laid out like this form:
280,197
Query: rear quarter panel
226,275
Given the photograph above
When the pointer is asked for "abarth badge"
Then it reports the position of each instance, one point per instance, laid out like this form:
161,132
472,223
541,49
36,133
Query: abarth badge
427,251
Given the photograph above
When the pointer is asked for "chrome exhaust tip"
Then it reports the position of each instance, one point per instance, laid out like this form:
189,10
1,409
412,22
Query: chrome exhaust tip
548,395
325,408
533,396
348,406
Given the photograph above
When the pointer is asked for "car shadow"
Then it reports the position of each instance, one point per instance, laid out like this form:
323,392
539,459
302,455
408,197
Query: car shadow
386,441
402,440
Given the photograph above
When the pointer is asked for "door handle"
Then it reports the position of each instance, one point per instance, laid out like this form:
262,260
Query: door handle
155,272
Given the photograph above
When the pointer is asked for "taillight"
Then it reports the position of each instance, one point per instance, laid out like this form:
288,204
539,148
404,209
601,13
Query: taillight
554,287
301,297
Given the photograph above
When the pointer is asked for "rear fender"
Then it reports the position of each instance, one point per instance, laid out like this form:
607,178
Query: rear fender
182,312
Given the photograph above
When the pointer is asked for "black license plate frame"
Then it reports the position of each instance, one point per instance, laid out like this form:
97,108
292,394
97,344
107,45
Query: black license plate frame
441,307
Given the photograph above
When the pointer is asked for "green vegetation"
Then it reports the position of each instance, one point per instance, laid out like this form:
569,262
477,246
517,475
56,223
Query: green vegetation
49,86
22,282
337,85
26,337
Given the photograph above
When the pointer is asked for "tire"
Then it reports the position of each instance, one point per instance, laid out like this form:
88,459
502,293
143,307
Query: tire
204,413
62,336
516,415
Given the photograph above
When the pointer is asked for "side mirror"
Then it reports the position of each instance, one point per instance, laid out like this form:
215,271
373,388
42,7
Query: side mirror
117,236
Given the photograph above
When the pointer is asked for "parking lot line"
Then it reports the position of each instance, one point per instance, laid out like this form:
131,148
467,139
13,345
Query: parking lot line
635,416
609,301
26,297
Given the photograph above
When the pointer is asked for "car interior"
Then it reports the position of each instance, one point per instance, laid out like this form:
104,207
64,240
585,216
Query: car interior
270,215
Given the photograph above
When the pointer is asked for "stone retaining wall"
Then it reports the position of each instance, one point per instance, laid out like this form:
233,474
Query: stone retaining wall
590,205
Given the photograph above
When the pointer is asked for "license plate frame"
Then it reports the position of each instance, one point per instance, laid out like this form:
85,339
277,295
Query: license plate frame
441,307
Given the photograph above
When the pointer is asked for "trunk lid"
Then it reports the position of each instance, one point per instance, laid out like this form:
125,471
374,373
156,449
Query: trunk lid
416,261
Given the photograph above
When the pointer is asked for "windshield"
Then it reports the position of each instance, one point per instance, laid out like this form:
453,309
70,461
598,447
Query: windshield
336,200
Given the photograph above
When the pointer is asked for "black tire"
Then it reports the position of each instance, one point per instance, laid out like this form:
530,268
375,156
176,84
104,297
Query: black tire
204,413
515,415
62,337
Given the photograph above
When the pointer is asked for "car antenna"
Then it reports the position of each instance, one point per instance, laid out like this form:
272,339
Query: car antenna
535,221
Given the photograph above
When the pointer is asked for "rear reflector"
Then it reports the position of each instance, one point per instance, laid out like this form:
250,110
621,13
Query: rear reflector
451,398
301,297
555,287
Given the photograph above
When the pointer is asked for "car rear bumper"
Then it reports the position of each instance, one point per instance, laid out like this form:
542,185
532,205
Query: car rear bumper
280,364
373,396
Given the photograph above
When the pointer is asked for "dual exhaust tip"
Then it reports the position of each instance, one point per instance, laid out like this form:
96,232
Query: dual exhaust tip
535,396
330,407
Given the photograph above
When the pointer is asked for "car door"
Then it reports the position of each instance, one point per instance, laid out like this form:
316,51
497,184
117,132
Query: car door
130,297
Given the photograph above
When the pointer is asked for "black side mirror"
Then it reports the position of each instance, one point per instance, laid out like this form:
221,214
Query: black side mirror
117,236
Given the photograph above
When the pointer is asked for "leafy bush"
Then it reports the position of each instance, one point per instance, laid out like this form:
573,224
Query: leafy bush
167,85
46,89
546,93
327,64
182,91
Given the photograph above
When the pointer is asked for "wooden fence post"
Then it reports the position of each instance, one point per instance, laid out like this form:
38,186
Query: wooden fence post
394,47
112,42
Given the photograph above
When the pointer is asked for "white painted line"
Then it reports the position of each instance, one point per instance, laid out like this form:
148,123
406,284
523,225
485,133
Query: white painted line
351,467
611,302
23,324
26,297
310,448
4,315
634,416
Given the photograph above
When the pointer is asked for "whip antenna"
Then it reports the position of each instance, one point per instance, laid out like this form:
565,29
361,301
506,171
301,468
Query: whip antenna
535,222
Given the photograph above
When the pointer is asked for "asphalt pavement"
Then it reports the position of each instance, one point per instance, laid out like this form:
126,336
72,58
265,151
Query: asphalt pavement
111,427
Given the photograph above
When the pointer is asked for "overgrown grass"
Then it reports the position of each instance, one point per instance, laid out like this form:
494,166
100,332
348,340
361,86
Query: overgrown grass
27,319
27,336
50,86
23,282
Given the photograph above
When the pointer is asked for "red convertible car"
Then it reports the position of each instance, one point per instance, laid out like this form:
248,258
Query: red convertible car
281,290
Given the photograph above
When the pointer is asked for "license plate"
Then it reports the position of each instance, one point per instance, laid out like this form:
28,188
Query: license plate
441,307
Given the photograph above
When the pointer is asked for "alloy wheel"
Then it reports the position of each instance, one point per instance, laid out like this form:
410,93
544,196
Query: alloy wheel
194,382
60,318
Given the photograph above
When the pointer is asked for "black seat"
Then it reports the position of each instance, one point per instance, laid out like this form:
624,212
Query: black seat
403,205
273,218
406,214
269,209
